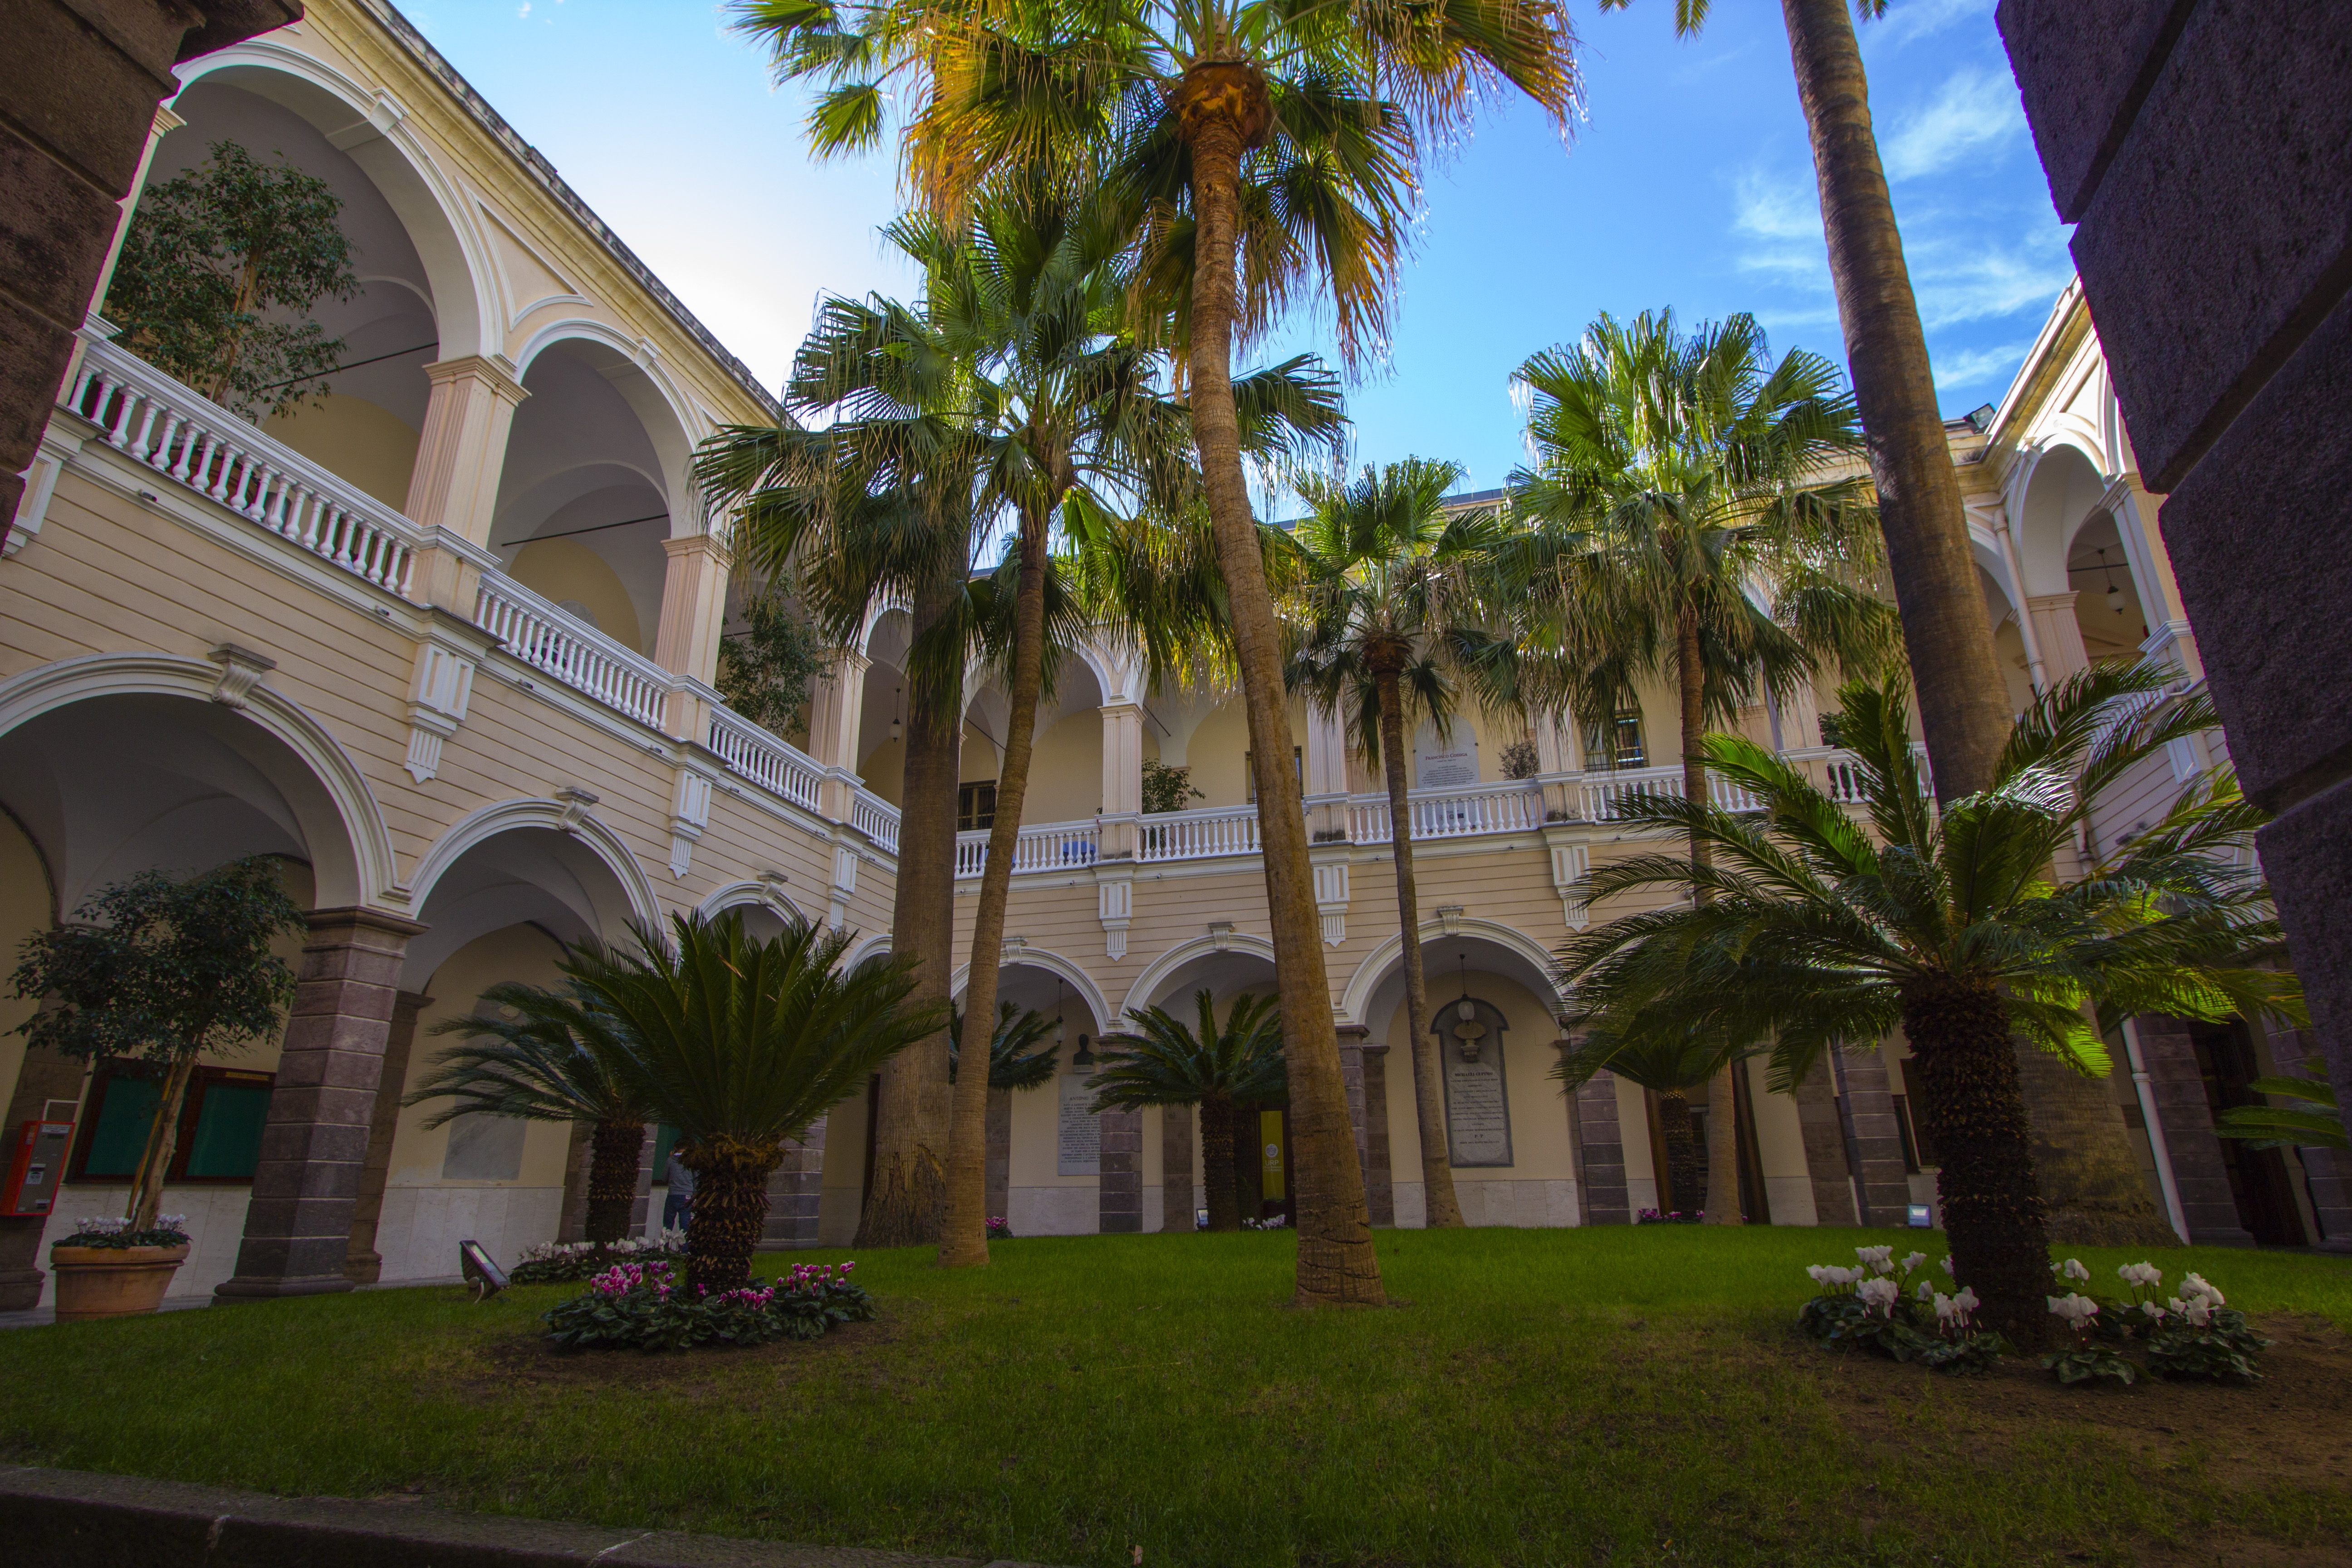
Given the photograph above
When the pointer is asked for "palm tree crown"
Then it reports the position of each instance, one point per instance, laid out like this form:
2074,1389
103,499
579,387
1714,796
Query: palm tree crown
1226,1069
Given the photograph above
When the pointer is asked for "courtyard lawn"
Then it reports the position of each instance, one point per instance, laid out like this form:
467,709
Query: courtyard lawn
1580,1397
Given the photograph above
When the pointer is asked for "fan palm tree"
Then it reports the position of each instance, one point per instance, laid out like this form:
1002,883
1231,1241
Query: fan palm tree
1682,476
551,1061
1262,150
1670,1064
740,1044
1226,1069
1945,923
1963,706
1392,608
1013,1062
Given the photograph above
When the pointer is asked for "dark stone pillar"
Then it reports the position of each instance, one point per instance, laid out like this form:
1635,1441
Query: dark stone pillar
298,1227
1356,1070
642,1217
2328,1173
79,82
1825,1135
795,1191
2177,1086
1885,1187
46,1081
1177,1209
363,1265
1600,1152
2217,268
1119,1198
579,1160
1380,1178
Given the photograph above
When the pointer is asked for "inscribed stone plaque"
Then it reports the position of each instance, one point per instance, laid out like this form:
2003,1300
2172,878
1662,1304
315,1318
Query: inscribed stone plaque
1079,1146
1447,762
1478,1108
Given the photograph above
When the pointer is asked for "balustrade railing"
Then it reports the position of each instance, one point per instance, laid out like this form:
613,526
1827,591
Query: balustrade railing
568,649
1049,846
193,441
751,752
1197,835
1513,806
877,818
1606,793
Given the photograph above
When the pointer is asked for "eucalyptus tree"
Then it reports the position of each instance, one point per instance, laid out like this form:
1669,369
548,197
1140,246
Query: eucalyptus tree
1393,609
1228,1070
1265,152
1963,702
1820,929
1686,479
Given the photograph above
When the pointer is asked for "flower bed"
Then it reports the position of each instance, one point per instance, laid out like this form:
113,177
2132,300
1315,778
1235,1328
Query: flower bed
1671,1217
556,1262
646,1307
170,1230
2193,1335
1876,1306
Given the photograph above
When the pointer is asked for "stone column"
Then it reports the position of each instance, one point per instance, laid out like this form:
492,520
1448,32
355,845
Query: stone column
1824,1136
1327,775
2168,633
45,1083
1600,1152
297,1226
1356,1071
1885,1188
2176,1084
1123,777
795,1191
837,698
1177,1209
363,1265
642,1219
1119,1197
1380,1178
2058,632
1000,1152
693,617
579,1160
454,487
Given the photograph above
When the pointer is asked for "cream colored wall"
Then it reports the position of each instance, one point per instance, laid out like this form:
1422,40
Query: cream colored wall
564,569
844,1190
523,953
354,439
1543,1163
1781,1150
24,911
1066,771
1216,751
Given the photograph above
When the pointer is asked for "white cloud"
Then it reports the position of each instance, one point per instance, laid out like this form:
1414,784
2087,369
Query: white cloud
524,14
1970,274
1971,365
1918,18
1976,112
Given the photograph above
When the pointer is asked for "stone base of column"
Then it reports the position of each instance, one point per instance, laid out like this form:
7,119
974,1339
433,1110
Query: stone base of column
1869,1100
1000,1152
1380,1178
1824,1138
2176,1084
795,1189
1119,1202
1178,1214
1600,1152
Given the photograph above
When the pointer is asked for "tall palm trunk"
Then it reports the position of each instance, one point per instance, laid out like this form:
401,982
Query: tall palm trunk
1217,1117
162,1141
612,1151
1962,696
1683,1192
1223,109
1428,1090
1964,1071
730,1210
964,1241
911,1113
1722,1203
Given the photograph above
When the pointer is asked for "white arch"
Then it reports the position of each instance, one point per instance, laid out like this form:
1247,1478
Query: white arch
874,946
672,423
457,257
352,866
736,895
1160,970
558,817
1053,963
1390,955
880,609
2042,543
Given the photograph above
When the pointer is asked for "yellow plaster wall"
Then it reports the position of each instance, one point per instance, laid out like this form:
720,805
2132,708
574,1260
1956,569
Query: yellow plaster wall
520,952
1539,1146
1216,754
1066,771
561,569
356,439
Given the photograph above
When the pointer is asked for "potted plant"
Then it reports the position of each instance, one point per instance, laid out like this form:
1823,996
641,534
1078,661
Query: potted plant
157,971
106,1269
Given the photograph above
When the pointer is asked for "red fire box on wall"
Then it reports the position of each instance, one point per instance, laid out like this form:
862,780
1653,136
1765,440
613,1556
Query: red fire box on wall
35,1166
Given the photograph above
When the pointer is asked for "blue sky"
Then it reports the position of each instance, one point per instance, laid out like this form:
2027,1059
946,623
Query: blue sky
1689,183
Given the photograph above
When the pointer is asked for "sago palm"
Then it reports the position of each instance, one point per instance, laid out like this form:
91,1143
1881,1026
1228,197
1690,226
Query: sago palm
1670,1063
551,1061
1820,930
1227,1070
1264,152
741,1044
1685,478
1963,700
1394,611
1013,1060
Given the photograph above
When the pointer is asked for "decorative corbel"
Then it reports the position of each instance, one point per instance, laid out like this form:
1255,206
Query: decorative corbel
576,801
241,672
1331,900
1115,907
439,691
1569,862
689,814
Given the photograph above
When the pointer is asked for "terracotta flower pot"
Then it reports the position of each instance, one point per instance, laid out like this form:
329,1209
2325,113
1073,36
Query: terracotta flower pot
112,1281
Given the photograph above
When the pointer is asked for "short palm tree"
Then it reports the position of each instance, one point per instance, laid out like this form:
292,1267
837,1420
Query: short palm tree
1683,479
551,1061
1226,1069
741,1044
1964,708
1670,1064
1013,1060
1394,611
1820,930
2315,1121
1261,150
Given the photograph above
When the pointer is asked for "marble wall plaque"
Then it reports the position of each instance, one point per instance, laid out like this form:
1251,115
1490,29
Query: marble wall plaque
1078,1141
1477,1100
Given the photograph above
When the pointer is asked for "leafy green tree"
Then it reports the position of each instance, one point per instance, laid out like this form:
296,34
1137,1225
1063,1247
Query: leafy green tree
764,671
1964,707
215,252
552,1061
1228,1070
740,1044
1818,929
1013,1060
1167,787
163,971
1263,151
1393,611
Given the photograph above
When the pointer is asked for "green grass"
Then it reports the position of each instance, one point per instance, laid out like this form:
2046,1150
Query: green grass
1586,1396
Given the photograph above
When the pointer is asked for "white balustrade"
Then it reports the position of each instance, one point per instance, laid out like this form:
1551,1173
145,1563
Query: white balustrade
1049,846
195,443
875,817
1197,835
1606,793
748,750
562,646
1511,807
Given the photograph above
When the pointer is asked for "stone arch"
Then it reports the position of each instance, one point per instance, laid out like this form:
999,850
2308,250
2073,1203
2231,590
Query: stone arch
1052,963
546,841
672,423
739,895
327,803
2054,492
1525,960
1160,974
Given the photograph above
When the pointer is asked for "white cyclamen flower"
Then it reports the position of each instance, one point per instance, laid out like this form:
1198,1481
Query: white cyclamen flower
2153,1310
1878,1295
1948,1263
2075,1309
2071,1269
1913,1261
1967,1300
2195,1285
2145,1274
1816,1273
1927,1291
1881,1258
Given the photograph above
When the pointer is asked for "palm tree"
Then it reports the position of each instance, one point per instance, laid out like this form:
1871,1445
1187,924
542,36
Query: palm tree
1014,1063
1227,1070
551,1061
740,1044
1963,698
2315,1123
1669,1063
1945,923
1390,607
1261,149
1683,476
